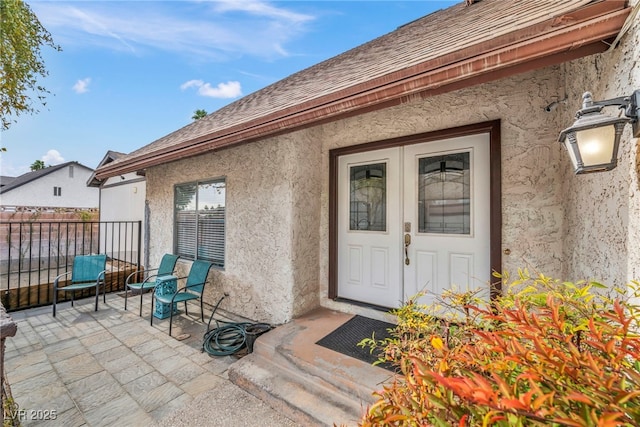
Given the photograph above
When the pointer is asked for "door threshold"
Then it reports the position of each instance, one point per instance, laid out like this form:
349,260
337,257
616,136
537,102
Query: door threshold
364,304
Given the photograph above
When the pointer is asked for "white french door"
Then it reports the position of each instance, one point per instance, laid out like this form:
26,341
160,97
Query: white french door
414,218
369,214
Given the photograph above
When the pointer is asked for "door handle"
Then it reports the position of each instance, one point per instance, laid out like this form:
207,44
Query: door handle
407,242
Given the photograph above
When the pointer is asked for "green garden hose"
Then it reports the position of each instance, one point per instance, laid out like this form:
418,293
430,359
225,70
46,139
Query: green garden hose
230,337
225,340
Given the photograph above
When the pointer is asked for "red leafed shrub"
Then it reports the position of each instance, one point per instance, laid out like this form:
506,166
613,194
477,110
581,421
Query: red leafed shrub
546,353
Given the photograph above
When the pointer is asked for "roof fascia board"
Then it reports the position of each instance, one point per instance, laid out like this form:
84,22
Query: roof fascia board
580,38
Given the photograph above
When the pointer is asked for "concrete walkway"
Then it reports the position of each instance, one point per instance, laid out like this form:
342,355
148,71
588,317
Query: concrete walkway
111,368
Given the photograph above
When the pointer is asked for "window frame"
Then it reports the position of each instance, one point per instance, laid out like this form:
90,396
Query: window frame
217,264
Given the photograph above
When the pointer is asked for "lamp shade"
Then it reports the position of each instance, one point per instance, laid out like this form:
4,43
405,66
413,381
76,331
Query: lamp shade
592,142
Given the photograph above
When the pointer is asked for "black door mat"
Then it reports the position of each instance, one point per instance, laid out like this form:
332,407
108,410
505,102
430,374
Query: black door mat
346,337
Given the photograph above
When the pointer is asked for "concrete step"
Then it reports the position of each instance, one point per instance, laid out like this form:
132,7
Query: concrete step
309,383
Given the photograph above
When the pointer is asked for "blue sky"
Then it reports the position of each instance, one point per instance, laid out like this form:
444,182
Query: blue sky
131,72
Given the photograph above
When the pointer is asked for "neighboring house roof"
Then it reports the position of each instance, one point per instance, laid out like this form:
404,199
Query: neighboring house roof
461,46
108,158
6,180
32,176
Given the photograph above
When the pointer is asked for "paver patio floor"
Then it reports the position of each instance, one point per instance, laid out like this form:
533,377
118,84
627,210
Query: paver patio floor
110,367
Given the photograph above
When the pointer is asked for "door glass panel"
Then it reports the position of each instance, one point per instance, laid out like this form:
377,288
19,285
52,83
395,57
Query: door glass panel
444,193
368,197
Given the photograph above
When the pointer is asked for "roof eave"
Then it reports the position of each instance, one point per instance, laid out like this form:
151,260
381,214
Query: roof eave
569,42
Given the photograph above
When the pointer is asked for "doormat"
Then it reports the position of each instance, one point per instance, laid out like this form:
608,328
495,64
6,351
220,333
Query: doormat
346,337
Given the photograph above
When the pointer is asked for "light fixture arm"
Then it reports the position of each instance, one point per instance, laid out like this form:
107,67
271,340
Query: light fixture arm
627,103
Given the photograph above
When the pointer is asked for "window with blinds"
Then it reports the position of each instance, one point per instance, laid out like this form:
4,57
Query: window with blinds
200,221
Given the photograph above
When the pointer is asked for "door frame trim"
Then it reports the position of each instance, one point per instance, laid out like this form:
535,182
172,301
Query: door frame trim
495,191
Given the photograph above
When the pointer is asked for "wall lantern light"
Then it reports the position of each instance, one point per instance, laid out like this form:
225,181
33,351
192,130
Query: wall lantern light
592,141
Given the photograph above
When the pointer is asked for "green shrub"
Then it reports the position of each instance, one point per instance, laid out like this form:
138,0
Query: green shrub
86,216
10,412
546,353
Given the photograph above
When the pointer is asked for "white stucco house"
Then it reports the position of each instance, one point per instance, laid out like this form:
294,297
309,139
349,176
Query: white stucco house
59,186
122,198
426,158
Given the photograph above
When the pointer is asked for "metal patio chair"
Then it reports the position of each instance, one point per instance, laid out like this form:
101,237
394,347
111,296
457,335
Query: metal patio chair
192,290
149,277
88,271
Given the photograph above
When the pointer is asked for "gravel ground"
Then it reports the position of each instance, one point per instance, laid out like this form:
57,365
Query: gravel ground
227,405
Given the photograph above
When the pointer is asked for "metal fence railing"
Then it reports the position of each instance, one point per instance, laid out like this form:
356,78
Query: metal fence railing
33,253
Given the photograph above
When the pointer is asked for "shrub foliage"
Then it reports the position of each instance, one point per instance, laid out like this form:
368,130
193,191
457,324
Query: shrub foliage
546,353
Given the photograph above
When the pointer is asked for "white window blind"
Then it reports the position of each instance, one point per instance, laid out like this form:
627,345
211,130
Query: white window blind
200,221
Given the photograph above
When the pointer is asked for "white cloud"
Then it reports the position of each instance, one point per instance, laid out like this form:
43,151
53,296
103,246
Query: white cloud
223,90
260,8
52,157
191,83
230,89
82,86
216,30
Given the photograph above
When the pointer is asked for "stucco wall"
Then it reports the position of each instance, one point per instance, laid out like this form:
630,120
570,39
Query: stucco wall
271,219
603,209
306,213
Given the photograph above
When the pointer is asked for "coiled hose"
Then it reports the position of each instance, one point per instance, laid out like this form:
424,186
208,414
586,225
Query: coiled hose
230,337
225,340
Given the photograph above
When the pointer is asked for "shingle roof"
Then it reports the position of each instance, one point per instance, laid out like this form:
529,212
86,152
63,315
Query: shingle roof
6,180
403,62
32,176
111,155
108,158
